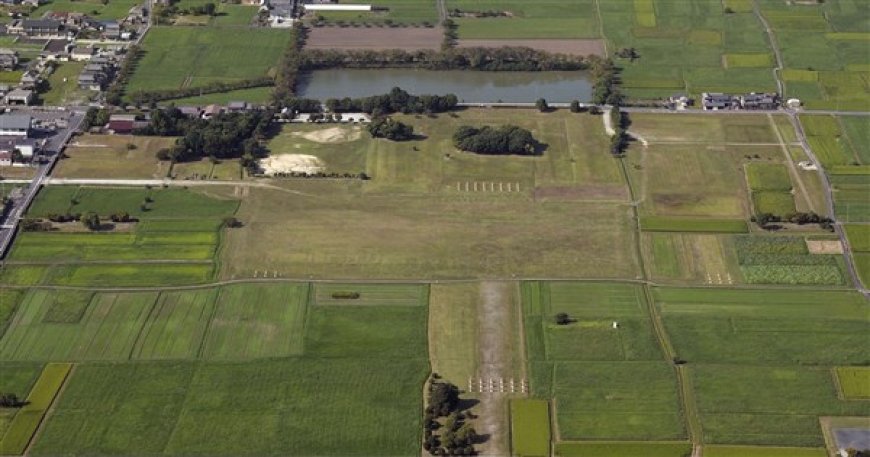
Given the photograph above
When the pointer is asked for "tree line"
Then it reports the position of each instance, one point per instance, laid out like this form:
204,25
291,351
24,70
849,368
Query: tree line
224,136
508,58
148,97
619,141
507,139
116,90
454,435
396,101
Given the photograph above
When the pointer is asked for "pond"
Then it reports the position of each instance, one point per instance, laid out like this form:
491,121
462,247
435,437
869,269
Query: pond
469,86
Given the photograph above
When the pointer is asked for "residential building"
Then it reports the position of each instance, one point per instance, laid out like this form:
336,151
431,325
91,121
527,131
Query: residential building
760,101
47,28
8,59
122,123
15,125
18,97
190,111
82,53
715,101
111,30
5,158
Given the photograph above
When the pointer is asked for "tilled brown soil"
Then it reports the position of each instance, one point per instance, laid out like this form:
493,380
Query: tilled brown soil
374,38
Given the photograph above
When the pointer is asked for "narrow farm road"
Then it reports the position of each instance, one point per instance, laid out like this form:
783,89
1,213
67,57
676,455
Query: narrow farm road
771,38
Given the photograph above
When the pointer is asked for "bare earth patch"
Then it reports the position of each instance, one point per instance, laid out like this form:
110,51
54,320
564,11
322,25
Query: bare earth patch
331,135
410,38
573,47
581,193
824,247
291,163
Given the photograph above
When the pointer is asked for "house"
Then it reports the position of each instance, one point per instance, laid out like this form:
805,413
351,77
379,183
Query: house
33,3
29,79
137,15
211,111
190,111
8,59
122,123
5,158
111,30
715,101
56,50
235,107
81,53
17,125
27,147
42,28
18,97
92,81
760,101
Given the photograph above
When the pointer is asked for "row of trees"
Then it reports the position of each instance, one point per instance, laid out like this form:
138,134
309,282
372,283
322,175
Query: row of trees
391,129
507,139
288,69
396,101
514,58
148,97
116,91
225,136
769,221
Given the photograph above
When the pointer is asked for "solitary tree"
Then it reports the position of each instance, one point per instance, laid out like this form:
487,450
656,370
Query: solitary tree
563,319
542,105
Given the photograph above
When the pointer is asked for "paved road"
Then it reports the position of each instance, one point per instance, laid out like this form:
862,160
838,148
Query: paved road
53,146
829,203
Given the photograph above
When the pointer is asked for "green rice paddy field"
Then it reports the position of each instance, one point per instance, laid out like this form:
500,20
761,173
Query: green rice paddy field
251,360
176,57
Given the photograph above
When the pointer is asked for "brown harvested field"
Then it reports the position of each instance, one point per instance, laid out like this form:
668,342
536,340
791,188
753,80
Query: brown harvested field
376,38
824,246
573,47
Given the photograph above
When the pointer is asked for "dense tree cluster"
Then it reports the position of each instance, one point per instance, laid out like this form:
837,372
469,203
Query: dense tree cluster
92,221
455,436
96,117
508,58
619,140
225,136
10,401
605,90
396,101
507,139
391,129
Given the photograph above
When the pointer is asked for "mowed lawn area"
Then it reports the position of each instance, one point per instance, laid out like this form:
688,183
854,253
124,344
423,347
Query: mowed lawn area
761,361
177,57
518,19
406,12
252,369
431,211
100,10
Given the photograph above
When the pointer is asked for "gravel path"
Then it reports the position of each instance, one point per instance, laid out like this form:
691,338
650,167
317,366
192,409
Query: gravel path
494,315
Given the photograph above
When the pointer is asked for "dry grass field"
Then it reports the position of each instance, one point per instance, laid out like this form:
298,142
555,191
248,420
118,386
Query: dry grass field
114,157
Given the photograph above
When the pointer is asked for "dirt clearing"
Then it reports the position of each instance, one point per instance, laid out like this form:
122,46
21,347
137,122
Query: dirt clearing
824,247
291,163
411,38
573,47
331,135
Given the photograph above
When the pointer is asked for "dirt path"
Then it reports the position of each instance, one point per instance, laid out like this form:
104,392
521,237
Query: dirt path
792,169
495,316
